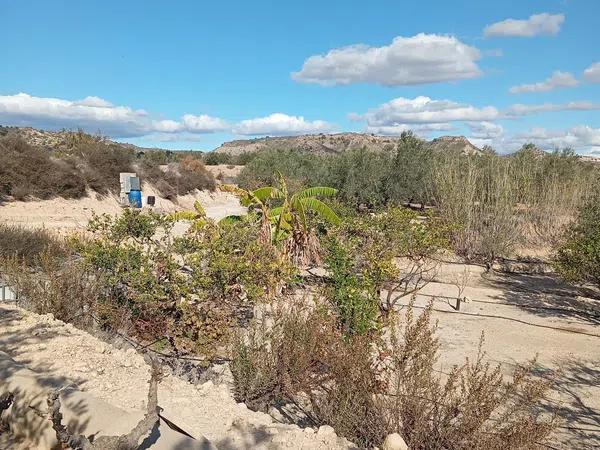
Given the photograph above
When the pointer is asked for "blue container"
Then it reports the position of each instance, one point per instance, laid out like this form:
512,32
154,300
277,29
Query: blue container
135,199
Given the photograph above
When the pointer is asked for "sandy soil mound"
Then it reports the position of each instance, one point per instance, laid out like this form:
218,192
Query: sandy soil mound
60,352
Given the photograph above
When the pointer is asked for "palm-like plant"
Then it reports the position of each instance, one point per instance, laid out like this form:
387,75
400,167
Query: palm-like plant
287,224
257,199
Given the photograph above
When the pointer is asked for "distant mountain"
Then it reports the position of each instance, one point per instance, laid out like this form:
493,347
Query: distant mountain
338,143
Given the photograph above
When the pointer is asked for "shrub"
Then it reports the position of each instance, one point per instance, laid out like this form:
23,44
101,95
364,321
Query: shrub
354,295
216,158
27,245
193,175
62,288
391,251
186,292
27,171
102,163
367,389
578,257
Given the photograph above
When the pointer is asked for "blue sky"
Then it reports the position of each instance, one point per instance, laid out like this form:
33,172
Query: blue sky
192,74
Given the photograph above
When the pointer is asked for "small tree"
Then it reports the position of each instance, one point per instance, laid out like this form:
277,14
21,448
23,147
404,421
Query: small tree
578,258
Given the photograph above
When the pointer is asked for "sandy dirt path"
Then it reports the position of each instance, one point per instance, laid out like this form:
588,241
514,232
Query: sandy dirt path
65,216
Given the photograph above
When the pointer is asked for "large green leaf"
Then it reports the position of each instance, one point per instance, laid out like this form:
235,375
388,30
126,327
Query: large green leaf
323,191
183,215
265,193
321,209
230,220
274,212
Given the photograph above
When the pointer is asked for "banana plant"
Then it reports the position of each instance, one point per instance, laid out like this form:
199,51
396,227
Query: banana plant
258,199
197,217
290,217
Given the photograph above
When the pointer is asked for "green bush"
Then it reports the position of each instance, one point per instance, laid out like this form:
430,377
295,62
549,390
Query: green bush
388,252
578,258
214,158
187,292
352,293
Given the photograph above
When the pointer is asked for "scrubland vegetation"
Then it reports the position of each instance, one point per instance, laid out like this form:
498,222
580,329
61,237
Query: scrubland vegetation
495,203
91,163
335,346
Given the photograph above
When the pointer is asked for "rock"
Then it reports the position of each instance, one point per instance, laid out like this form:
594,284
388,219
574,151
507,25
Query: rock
394,442
325,430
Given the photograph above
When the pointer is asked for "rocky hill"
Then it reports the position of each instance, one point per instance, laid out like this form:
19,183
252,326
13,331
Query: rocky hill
454,143
337,143
60,140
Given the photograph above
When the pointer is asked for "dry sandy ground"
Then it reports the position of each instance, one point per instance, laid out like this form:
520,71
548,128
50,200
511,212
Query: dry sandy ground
58,351
63,215
523,316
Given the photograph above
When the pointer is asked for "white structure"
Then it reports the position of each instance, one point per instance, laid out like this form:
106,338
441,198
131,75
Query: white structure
129,181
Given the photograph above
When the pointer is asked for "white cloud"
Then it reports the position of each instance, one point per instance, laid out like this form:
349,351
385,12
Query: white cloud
94,101
578,137
424,110
556,81
424,58
592,73
486,130
523,110
419,129
203,123
537,24
582,138
279,124
95,114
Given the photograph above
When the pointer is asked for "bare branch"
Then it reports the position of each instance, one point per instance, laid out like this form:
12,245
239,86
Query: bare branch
127,441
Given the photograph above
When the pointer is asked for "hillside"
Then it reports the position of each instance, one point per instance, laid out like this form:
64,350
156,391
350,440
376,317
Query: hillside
61,140
337,143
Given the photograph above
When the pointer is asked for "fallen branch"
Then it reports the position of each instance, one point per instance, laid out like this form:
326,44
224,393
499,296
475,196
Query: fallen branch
129,441
6,400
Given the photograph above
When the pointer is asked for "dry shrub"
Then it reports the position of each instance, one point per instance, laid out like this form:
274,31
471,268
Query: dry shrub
28,171
473,406
193,175
179,179
367,387
27,245
62,289
101,164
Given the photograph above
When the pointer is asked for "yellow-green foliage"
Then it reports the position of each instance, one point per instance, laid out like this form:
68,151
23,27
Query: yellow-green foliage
187,290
